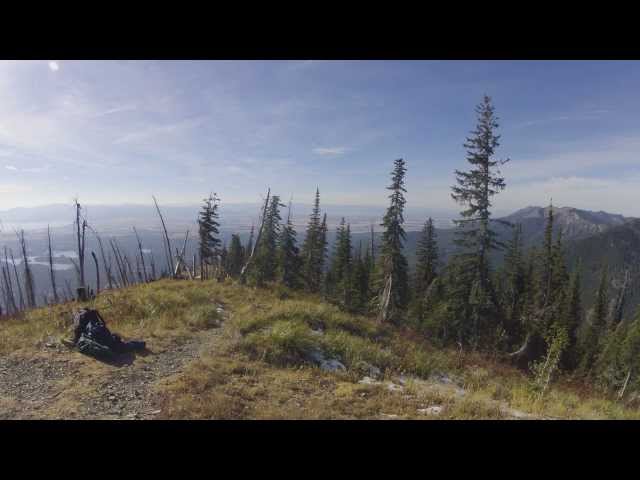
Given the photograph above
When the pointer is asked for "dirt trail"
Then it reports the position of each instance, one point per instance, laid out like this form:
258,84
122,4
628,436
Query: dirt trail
59,383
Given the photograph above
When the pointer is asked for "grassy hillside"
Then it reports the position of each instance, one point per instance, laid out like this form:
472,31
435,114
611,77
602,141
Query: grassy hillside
224,351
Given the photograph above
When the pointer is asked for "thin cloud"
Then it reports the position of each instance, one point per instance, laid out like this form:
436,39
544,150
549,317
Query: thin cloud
590,115
612,152
11,167
163,130
329,151
11,188
123,108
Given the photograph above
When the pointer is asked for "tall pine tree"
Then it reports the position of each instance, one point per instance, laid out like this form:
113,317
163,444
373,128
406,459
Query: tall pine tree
426,258
394,284
571,319
310,254
596,328
249,247
236,256
426,267
208,225
267,260
514,285
475,238
289,254
341,267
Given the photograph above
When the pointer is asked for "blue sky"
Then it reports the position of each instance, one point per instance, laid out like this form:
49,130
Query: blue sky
118,132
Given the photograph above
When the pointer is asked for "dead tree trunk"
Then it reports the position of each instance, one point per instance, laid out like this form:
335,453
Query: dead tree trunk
246,266
180,257
129,269
53,275
153,267
107,265
6,310
95,260
615,315
144,268
166,238
9,283
138,270
119,262
80,237
385,301
15,271
624,387
28,276
10,303
69,291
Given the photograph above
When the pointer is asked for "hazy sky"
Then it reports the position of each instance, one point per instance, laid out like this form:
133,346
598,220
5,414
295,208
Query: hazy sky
118,132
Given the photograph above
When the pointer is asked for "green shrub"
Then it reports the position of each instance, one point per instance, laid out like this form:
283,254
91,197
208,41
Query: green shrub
284,343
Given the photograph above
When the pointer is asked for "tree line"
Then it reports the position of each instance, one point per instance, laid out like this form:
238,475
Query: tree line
528,310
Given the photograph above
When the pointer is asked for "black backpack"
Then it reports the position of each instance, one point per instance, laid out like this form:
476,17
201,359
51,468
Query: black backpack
90,323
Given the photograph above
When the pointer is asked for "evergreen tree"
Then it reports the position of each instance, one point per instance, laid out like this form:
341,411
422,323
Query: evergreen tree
426,268
321,248
617,305
249,247
514,284
612,365
630,354
209,243
559,274
267,260
571,319
312,261
224,262
426,259
341,268
600,308
393,288
547,302
597,325
548,258
289,254
361,280
236,256
474,237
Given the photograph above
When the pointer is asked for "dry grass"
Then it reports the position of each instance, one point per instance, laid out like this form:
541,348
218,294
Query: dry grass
160,311
258,367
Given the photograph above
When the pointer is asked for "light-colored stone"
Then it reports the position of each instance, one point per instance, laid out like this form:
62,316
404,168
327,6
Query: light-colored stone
332,365
433,410
394,387
517,414
368,369
368,381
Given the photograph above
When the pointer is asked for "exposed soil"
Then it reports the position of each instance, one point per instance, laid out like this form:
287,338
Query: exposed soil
59,382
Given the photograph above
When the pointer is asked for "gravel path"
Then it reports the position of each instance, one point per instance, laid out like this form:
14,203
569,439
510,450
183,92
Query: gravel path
31,385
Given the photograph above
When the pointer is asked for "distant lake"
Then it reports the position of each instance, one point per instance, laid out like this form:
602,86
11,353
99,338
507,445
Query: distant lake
63,254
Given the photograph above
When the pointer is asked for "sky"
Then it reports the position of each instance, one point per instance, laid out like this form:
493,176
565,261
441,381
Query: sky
116,132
